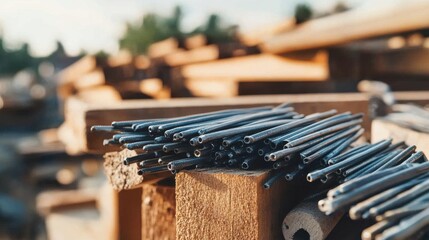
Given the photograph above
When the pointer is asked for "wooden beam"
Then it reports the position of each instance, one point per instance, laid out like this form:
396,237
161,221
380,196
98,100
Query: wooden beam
225,87
212,87
231,204
77,69
360,23
102,93
123,177
209,53
99,114
261,67
67,76
195,41
382,129
162,48
260,35
196,55
158,212
85,115
129,214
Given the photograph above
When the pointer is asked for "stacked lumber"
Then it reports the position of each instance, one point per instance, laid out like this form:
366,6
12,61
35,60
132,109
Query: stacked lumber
360,43
114,78
360,23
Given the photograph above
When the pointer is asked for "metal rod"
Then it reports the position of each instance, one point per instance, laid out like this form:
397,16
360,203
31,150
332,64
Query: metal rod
400,199
342,147
182,163
139,158
375,186
155,147
349,161
285,152
245,118
334,120
348,153
239,130
358,182
274,178
323,132
359,209
337,136
408,227
413,158
144,171
282,128
398,158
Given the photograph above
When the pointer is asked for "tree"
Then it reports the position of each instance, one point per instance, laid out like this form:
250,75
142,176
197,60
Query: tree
215,32
154,28
303,13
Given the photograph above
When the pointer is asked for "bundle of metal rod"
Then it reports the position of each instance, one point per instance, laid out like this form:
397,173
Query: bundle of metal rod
295,151
392,187
240,138
365,159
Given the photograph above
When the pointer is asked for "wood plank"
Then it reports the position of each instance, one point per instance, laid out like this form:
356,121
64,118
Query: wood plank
158,212
196,55
261,67
162,48
86,115
77,69
141,109
99,94
209,53
382,129
259,35
67,76
212,87
231,204
195,41
363,22
295,87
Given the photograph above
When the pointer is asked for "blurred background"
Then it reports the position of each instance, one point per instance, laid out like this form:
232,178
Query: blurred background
55,52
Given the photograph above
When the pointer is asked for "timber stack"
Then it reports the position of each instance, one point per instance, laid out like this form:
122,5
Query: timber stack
290,165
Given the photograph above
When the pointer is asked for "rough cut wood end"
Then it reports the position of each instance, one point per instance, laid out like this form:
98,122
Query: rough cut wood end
124,177
119,175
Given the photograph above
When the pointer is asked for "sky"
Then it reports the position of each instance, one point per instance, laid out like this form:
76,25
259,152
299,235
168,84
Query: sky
94,25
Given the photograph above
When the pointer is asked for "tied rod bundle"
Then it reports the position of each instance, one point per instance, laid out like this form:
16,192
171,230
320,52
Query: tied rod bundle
241,138
384,181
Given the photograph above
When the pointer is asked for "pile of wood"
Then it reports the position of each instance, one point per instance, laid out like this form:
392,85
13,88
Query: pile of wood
224,203
118,77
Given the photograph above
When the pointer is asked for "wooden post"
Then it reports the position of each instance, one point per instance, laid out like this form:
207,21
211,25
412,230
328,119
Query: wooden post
158,212
231,204
142,210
